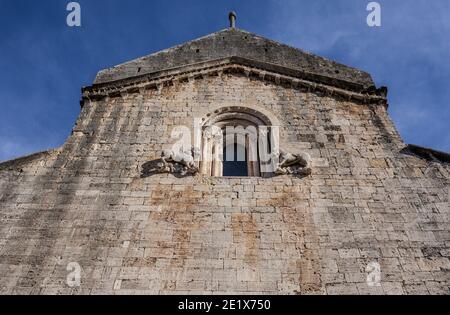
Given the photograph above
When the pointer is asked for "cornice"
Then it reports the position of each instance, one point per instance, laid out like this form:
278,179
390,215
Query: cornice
238,65
427,154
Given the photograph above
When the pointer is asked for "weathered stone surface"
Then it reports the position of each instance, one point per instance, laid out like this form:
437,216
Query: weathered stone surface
235,42
364,202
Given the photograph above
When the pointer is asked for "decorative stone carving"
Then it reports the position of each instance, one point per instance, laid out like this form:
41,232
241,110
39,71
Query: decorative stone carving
293,164
181,163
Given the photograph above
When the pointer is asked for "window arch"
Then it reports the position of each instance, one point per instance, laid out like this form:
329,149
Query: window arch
236,141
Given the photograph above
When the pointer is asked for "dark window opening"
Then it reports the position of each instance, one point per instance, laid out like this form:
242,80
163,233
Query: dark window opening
234,166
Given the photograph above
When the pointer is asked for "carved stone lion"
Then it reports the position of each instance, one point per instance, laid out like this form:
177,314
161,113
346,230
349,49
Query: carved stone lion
290,163
181,163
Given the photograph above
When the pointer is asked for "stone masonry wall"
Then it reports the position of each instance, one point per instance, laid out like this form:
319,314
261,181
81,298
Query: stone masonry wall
86,203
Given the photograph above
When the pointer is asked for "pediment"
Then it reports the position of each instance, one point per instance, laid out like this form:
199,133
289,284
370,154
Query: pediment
235,43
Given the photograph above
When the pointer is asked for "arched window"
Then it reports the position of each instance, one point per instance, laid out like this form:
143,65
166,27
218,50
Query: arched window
236,142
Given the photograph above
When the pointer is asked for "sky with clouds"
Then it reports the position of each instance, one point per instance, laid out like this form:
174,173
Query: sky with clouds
44,63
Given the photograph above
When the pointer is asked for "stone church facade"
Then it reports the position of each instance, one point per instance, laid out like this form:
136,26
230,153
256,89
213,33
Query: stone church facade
358,212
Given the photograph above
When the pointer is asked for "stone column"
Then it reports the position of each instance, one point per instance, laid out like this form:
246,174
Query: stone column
205,168
264,150
274,136
217,163
252,155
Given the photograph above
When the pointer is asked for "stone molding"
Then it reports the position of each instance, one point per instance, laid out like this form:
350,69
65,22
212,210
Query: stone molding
426,153
242,66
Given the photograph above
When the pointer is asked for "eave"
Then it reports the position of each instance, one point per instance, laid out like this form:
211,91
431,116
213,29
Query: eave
427,154
251,68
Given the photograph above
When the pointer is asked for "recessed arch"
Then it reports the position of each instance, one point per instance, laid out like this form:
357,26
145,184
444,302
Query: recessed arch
253,113
238,127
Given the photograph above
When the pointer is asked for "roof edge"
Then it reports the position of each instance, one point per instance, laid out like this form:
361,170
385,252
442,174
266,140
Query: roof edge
426,153
159,52
253,68
23,160
112,74
166,50
313,77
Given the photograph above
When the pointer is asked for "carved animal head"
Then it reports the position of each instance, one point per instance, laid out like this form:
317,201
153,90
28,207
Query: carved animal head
167,154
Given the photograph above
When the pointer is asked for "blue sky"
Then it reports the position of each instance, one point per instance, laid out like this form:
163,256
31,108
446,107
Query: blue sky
44,63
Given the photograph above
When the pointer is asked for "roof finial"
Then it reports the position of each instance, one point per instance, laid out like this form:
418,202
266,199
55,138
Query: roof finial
232,17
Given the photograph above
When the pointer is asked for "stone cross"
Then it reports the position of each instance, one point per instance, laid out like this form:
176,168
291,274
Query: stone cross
232,18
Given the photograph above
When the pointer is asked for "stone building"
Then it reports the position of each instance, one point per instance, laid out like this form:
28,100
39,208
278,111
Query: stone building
347,208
